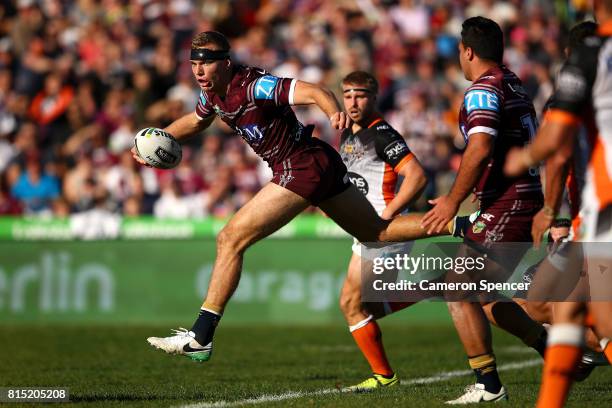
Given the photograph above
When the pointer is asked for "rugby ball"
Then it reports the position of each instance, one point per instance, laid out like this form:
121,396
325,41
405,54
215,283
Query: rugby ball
158,148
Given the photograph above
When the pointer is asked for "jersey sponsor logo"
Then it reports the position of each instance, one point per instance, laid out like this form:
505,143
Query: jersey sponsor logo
382,127
264,87
251,133
395,149
480,99
359,181
487,216
571,85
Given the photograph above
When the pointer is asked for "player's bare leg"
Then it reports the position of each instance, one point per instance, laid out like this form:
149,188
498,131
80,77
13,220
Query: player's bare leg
474,330
350,295
268,211
362,221
271,208
365,329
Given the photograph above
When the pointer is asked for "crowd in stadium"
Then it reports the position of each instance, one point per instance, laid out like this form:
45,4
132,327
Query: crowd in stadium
79,78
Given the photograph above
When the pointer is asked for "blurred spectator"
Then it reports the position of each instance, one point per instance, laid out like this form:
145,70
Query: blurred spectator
8,120
132,207
60,208
123,180
96,223
7,152
8,204
171,203
49,106
80,186
35,188
412,18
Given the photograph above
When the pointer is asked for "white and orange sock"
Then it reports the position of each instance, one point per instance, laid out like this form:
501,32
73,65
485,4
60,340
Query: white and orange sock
368,337
565,342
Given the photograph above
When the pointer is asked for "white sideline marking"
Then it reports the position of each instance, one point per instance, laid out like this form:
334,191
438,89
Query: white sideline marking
517,350
300,394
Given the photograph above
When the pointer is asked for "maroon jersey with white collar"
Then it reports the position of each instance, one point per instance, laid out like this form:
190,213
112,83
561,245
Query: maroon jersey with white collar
496,104
257,107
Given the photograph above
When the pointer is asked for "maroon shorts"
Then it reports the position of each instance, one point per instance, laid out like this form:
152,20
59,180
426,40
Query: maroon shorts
316,172
508,221
499,231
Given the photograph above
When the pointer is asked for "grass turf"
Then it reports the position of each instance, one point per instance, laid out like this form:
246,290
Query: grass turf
114,366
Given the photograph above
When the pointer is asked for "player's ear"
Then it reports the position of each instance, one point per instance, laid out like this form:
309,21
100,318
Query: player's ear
469,51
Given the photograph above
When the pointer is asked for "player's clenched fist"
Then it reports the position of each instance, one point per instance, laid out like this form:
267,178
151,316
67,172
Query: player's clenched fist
340,120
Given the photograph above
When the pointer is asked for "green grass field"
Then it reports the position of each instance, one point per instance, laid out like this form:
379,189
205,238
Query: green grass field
114,366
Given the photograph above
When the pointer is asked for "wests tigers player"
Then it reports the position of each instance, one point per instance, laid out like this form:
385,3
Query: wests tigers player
582,94
375,155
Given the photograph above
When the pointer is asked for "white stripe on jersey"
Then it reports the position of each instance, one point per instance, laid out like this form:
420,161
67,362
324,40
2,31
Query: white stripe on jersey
483,129
291,91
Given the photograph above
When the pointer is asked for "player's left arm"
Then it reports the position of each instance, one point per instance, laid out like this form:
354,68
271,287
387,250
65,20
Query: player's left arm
392,149
306,93
556,171
410,189
474,161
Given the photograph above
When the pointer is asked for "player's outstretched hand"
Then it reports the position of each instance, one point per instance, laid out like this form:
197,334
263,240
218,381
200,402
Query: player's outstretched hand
340,120
137,157
516,163
438,217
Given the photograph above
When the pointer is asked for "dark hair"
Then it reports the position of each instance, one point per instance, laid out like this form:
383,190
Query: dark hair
579,32
362,78
210,37
484,37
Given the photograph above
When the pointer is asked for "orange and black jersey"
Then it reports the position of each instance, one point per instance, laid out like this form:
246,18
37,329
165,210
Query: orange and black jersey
584,95
374,156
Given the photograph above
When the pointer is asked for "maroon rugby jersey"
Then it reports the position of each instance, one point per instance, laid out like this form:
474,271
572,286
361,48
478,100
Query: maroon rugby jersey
497,104
257,107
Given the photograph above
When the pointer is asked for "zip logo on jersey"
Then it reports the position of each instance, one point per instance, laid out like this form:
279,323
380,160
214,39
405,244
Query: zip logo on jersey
481,100
264,87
